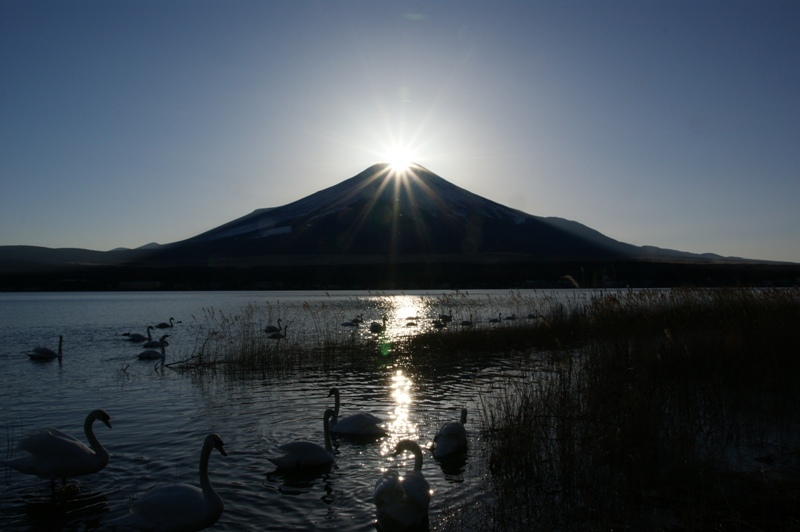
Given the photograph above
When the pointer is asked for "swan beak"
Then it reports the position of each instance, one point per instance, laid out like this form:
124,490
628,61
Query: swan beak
219,447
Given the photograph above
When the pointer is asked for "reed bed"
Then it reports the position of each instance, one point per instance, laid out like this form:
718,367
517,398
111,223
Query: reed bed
639,409
663,411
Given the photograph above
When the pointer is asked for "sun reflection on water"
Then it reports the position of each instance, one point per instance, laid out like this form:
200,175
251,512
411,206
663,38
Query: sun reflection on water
400,426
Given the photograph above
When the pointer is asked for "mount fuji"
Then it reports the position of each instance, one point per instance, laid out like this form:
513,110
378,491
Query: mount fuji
419,216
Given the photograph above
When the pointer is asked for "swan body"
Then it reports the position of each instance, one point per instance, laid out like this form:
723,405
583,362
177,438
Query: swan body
135,337
303,454
273,328
467,323
401,501
165,325
451,440
152,354
376,327
359,424
53,454
279,335
178,506
45,353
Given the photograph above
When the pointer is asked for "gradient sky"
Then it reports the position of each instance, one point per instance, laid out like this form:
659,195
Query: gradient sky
666,123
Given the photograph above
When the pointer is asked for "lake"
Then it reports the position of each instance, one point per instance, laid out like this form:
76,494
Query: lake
160,416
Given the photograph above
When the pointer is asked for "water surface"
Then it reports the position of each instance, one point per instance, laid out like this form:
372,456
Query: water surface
160,416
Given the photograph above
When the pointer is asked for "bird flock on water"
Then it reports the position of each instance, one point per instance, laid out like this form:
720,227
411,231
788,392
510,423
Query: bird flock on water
401,500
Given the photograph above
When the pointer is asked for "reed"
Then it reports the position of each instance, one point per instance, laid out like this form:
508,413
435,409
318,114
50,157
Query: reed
671,410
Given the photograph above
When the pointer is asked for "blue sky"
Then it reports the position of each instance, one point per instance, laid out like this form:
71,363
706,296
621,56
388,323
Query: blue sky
667,123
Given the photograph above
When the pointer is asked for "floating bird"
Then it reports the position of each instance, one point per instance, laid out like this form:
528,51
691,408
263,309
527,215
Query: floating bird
303,454
451,440
150,342
467,323
165,325
279,335
273,328
446,318
178,506
152,354
359,424
377,327
135,337
45,353
352,323
401,502
497,319
359,319
53,454
511,318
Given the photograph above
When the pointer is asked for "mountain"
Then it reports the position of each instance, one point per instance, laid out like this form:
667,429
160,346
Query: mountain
379,230
379,215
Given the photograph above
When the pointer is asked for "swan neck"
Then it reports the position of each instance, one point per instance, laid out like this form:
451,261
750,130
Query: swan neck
94,443
417,459
60,344
205,454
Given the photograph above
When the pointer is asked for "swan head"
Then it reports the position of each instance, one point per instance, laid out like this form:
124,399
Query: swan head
215,441
102,415
329,413
164,337
334,392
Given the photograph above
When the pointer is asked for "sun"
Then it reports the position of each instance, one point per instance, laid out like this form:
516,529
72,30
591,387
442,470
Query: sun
400,158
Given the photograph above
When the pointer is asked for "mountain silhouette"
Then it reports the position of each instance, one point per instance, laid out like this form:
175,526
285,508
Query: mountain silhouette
379,214
381,230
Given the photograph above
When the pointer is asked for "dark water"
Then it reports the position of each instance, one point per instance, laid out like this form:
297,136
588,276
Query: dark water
160,416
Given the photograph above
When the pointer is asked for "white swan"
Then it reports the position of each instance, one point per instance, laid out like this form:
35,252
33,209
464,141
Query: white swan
377,327
53,454
150,342
165,325
401,501
359,424
279,335
135,337
178,506
152,354
273,328
451,440
45,353
301,454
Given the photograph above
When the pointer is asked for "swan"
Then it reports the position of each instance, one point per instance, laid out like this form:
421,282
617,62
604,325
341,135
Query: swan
359,424
135,337
359,318
446,318
497,319
178,506
165,325
152,354
150,342
401,501
53,454
273,328
451,440
45,353
279,335
467,323
377,327
352,323
301,454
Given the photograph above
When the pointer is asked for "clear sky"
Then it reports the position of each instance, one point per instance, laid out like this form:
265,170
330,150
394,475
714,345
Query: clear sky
666,123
